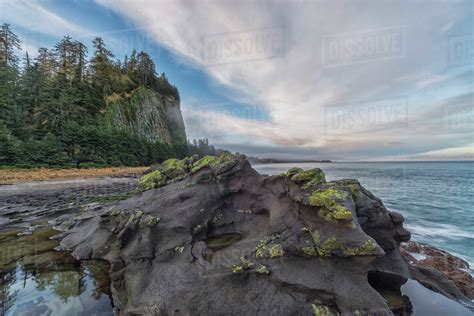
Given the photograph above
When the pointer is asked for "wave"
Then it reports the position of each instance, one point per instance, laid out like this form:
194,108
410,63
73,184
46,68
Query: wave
439,230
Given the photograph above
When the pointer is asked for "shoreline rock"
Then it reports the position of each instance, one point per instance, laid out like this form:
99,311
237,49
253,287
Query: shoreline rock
212,235
454,268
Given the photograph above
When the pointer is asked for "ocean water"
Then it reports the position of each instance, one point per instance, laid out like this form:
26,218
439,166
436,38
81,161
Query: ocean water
436,198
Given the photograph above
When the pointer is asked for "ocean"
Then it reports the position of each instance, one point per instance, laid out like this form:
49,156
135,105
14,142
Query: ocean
436,198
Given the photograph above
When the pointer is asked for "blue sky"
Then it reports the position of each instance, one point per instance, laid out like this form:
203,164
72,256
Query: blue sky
338,80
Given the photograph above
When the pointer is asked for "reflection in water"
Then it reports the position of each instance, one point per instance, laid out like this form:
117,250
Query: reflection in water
427,302
409,297
47,282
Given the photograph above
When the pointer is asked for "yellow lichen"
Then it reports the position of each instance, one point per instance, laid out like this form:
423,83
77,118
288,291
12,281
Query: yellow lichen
326,198
330,200
247,264
263,269
275,251
260,249
321,310
267,248
149,220
326,247
367,248
136,213
243,265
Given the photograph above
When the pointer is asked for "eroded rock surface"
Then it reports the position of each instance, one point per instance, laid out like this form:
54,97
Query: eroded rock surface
212,235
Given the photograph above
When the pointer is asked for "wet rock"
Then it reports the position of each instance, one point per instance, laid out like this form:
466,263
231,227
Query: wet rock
454,268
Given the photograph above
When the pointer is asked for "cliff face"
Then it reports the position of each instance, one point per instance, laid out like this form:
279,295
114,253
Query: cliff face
213,236
150,115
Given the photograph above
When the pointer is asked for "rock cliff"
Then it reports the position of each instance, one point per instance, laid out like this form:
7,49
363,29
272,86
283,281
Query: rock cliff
212,236
149,115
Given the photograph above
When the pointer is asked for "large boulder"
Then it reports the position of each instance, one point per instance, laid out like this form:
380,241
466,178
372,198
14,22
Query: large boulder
212,236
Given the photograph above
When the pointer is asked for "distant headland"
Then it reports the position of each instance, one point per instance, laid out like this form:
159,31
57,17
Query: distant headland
255,160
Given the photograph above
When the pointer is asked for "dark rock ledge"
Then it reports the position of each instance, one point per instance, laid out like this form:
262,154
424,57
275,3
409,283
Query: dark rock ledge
213,236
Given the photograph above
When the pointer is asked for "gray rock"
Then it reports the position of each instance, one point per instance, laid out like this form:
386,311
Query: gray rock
227,240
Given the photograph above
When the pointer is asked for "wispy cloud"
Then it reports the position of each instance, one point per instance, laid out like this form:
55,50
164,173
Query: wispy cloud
328,55
35,16
452,153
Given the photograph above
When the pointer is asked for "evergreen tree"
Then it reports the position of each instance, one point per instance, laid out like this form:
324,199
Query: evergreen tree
46,61
65,56
145,69
80,56
102,65
8,71
8,43
52,108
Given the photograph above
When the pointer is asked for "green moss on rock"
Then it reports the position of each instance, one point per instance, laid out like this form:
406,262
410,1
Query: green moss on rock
326,247
152,180
292,171
114,197
326,198
308,178
368,248
330,200
173,170
169,171
268,248
203,162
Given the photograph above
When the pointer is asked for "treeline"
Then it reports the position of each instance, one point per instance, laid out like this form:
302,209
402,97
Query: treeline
51,106
201,147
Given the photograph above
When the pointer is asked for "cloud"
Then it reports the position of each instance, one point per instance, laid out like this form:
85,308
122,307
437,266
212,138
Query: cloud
37,18
303,60
453,153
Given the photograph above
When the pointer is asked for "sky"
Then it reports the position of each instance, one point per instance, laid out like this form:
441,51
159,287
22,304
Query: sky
339,80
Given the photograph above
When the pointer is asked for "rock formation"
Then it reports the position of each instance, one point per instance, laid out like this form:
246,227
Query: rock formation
149,115
213,236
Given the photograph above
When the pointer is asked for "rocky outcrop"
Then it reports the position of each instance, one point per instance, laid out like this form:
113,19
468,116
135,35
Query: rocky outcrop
454,268
149,115
213,236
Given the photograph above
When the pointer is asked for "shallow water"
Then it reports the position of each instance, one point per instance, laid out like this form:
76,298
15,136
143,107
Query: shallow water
436,198
37,280
426,302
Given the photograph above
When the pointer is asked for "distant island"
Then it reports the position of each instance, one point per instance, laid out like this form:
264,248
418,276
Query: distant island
256,160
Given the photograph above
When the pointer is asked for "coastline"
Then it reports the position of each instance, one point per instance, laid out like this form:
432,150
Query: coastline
13,176
86,212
